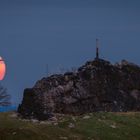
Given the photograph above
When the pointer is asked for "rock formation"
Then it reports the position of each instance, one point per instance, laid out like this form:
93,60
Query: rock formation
96,86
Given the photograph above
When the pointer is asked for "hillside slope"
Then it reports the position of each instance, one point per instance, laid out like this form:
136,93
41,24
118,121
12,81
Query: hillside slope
96,126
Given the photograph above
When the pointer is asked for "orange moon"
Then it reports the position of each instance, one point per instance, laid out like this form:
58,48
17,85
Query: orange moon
2,69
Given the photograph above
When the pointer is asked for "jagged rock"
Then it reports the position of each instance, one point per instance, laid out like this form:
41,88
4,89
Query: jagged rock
63,138
86,117
113,126
71,125
14,133
96,86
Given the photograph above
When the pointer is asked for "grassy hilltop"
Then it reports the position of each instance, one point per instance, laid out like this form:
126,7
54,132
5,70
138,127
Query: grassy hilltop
96,126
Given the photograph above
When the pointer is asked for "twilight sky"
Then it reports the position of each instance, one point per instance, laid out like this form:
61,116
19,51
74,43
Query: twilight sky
62,34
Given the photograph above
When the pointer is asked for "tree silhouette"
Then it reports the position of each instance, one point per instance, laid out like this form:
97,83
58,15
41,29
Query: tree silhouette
4,97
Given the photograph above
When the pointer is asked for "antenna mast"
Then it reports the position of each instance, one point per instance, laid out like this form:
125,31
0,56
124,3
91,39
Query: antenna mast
97,49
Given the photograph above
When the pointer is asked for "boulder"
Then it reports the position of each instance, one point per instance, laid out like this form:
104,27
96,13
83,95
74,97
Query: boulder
96,86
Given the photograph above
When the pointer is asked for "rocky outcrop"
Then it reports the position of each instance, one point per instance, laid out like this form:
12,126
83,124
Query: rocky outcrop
96,86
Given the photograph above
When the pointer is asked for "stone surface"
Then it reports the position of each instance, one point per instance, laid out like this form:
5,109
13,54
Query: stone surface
71,125
96,86
86,117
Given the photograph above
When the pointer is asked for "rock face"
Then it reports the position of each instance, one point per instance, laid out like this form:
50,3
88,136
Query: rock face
96,86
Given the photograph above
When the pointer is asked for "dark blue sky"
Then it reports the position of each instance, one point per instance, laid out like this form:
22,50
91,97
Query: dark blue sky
62,33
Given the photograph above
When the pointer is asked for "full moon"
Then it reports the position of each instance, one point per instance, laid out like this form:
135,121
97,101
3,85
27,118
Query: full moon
2,68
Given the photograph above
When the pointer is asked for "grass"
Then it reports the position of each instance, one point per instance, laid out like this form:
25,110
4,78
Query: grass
98,126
